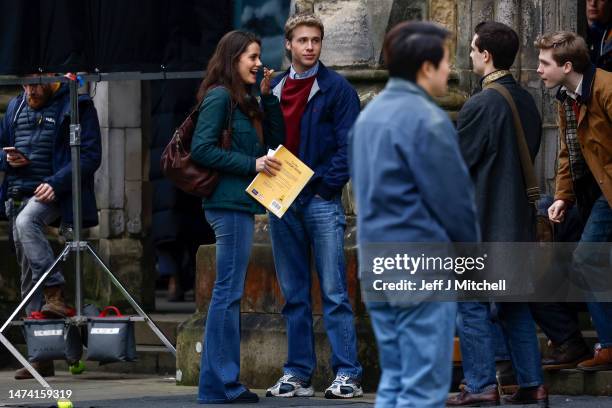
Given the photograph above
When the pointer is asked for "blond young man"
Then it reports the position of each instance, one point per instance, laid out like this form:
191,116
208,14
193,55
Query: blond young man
584,174
319,107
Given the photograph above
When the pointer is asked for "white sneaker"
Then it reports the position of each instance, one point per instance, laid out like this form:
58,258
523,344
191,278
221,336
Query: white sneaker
290,386
344,387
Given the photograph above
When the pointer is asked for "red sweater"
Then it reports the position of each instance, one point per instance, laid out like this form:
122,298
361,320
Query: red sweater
293,103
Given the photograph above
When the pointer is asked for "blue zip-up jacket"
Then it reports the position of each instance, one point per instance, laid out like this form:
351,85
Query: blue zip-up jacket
61,179
409,178
333,107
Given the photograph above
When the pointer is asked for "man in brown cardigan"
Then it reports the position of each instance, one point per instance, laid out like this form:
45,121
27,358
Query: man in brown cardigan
584,174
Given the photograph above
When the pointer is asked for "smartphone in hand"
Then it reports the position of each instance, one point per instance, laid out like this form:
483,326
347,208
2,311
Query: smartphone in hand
14,151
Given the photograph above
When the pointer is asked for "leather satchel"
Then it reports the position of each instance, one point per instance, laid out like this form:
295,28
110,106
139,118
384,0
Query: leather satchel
176,162
544,228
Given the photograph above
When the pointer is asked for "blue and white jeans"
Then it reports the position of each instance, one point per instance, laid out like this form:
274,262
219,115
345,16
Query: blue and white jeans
220,364
316,226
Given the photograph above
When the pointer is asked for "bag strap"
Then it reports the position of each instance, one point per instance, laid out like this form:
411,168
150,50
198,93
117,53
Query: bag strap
176,138
531,185
230,117
36,316
107,309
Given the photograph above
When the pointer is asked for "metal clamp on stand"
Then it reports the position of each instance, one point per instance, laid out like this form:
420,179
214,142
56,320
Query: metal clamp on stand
75,135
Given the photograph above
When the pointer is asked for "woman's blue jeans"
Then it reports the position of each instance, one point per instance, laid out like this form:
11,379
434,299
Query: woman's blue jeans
220,366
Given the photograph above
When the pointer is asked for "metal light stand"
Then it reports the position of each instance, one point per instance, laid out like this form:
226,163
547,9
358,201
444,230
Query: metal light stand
76,246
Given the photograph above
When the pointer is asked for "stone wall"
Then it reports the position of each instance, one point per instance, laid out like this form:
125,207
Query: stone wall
119,192
355,31
529,18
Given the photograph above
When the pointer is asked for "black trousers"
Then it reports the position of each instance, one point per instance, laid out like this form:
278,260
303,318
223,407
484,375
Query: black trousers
559,321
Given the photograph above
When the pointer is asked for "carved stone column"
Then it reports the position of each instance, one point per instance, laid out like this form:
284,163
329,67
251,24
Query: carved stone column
119,185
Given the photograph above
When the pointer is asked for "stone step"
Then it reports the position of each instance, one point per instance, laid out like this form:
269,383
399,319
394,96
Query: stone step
576,382
153,357
151,360
590,336
562,382
167,323
157,360
264,349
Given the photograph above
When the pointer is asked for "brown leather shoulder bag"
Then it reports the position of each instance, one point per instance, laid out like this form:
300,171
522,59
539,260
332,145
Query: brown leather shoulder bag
176,163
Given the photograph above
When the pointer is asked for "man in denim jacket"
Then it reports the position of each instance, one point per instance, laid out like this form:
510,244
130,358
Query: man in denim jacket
411,186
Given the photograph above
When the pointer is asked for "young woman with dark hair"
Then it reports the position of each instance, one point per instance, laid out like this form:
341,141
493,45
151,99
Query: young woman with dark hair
229,82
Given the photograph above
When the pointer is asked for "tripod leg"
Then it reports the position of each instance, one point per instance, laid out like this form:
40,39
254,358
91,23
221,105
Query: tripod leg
134,304
42,279
23,361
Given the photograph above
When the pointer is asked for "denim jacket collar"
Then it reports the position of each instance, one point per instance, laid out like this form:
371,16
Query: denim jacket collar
403,85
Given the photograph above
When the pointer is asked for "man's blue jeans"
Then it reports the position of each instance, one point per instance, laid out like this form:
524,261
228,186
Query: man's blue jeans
415,346
478,346
220,366
318,224
499,343
599,229
33,250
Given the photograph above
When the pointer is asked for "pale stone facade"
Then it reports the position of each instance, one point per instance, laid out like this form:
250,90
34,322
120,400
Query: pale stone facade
119,192
355,30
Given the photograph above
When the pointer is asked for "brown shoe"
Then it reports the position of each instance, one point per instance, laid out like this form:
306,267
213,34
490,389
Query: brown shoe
566,355
54,302
488,398
44,368
529,395
600,362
